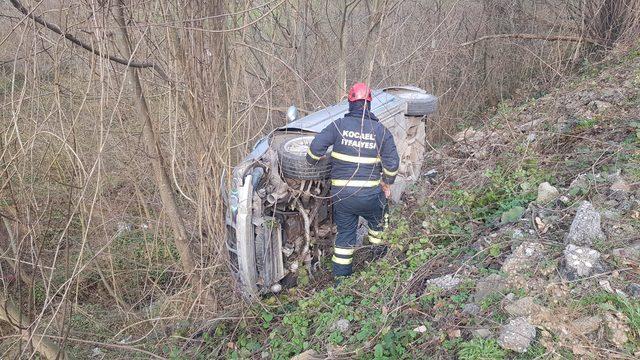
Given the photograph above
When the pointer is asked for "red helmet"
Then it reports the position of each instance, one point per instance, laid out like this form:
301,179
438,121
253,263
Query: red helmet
359,91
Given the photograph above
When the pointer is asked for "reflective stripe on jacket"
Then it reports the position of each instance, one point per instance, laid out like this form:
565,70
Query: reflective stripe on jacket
363,150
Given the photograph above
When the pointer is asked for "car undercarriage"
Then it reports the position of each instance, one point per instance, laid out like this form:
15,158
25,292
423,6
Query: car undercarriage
279,211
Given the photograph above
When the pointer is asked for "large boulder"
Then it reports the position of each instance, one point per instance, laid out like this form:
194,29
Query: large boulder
517,335
585,228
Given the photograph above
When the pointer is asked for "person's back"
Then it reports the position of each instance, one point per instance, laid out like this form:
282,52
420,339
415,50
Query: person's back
364,163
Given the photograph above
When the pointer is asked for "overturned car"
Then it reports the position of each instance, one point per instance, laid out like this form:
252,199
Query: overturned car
278,208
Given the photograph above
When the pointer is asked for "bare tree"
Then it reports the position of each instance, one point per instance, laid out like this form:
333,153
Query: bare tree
156,157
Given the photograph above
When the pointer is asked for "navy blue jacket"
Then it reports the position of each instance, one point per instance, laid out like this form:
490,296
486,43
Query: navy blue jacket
363,149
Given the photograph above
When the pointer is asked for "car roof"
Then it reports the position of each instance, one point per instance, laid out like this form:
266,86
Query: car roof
382,104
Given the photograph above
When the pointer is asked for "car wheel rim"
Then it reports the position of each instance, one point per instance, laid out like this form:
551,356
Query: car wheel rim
298,146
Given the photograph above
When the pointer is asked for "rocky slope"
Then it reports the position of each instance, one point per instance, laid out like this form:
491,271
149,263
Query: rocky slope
521,241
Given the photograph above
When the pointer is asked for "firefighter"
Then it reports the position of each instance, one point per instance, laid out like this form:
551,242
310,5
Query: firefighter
364,164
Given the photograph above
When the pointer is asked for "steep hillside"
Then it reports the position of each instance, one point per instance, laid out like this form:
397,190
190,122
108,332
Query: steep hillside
521,241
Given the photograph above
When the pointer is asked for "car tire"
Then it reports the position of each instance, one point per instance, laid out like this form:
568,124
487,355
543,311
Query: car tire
419,102
293,163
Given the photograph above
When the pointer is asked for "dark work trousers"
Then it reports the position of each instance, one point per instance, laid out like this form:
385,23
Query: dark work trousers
348,206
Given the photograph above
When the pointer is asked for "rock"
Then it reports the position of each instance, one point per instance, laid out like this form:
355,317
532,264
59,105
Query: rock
629,253
612,95
488,285
585,228
517,235
586,325
622,230
526,256
517,335
611,203
509,298
469,135
566,124
471,309
531,138
528,126
579,261
599,105
606,286
626,205
611,215
565,200
308,355
634,290
454,333
618,329
341,325
96,352
512,215
618,199
431,175
524,307
421,329
620,185
481,333
599,198
547,193
447,282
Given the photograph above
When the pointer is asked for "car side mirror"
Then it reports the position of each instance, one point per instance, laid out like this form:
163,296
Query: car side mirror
292,113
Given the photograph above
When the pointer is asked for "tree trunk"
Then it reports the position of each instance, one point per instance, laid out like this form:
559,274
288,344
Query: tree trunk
341,74
155,153
371,46
300,41
11,314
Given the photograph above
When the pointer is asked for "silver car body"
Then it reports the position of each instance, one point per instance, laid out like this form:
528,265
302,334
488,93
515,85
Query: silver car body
244,209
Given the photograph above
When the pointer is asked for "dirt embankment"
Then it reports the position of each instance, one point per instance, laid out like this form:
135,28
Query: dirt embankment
521,241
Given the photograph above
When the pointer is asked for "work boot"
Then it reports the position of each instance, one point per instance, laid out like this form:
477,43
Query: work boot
379,251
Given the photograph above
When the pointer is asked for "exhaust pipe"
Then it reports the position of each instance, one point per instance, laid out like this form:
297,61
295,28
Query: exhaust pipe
278,194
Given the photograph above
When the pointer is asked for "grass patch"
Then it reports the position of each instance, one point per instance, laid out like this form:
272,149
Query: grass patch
505,190
584,124
480,349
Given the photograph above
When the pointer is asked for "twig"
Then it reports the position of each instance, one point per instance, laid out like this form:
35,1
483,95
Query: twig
532,37
591,277
107,345
56,29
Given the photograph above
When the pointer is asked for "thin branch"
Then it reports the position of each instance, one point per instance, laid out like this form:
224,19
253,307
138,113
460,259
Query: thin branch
56,29
532,37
